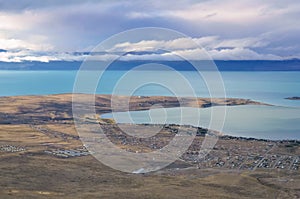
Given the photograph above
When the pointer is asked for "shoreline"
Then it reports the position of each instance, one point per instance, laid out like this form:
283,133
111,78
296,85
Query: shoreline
293,98
57,108
38,132
107,121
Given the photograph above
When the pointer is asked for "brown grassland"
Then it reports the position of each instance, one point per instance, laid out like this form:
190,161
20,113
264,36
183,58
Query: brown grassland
32,173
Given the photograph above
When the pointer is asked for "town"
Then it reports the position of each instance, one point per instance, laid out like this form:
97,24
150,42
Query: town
228,153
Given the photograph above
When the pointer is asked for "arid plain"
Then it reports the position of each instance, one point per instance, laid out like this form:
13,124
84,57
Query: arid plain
42,156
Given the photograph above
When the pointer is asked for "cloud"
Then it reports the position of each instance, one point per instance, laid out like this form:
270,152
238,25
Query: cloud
197,49
203,48
241,54
27,55
208,42
249,29
16,44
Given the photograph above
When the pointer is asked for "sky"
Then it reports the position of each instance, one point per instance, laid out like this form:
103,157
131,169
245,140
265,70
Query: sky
52,30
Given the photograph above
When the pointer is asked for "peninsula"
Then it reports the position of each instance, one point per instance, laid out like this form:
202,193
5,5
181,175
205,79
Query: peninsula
42,155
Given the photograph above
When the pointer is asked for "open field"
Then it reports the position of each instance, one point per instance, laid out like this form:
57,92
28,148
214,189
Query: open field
42,157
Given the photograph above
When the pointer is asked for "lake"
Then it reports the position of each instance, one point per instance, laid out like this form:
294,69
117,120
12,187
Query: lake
274,122
268,87
256,121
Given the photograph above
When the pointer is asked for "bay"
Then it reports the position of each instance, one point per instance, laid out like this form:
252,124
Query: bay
255,121
274,122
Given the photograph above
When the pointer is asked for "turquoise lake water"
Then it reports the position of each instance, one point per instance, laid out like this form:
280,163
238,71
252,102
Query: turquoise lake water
268,87
277,122
258,121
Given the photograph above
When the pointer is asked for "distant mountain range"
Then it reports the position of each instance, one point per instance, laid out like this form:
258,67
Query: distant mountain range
241,65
